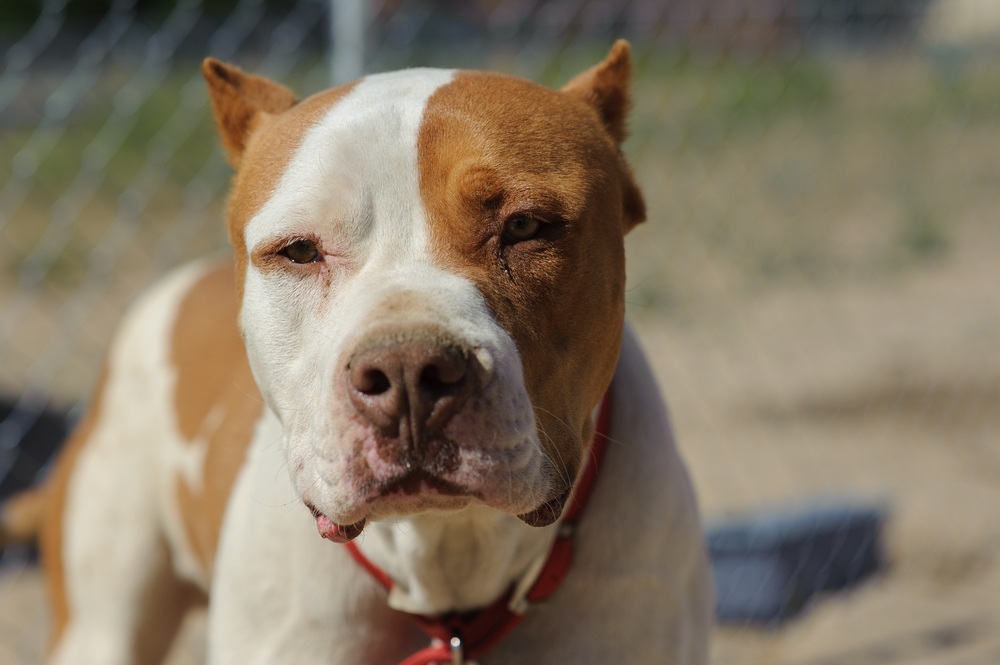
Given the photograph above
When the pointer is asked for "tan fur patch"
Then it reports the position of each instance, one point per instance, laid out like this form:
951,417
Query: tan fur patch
216,400
493,147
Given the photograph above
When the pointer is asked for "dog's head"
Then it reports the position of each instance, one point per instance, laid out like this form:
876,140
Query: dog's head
431,275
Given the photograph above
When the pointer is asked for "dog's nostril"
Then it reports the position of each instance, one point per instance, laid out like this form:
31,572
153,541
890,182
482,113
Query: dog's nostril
443,374
367,376
372,382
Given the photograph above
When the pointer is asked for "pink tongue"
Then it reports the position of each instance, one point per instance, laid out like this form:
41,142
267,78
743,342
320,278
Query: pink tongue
336,532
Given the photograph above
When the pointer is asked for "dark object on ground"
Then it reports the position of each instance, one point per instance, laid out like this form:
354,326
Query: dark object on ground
28,440
767,566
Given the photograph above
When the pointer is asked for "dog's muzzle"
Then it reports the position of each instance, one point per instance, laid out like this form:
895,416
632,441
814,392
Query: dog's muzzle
407,386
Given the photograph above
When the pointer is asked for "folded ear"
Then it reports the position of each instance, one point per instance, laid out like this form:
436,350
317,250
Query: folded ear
238,100
633,203
605,88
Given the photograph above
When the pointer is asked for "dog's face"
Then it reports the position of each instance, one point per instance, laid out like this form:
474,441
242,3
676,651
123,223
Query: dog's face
432,281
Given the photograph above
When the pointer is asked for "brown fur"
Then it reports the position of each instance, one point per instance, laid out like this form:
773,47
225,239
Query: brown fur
21,517
239,99
167,599
217,402
605,88
495,146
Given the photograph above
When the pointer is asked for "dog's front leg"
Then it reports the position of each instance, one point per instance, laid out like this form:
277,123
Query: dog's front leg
282,594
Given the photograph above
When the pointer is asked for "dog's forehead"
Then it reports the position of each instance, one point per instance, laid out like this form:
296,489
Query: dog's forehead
354,159
353,154
489,137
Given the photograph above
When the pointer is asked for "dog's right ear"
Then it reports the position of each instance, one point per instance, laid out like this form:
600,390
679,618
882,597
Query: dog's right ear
238,100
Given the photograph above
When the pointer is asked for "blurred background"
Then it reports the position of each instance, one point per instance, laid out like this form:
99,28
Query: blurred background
818,284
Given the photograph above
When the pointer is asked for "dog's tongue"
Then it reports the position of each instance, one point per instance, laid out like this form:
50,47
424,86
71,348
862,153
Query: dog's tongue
336,532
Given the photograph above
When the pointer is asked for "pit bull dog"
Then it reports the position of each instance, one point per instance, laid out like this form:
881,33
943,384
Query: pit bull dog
370,438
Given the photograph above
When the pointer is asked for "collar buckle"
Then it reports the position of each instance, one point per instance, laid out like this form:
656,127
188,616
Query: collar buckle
457,651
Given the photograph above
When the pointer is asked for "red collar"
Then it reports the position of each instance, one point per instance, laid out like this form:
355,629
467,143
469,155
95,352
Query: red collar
456,637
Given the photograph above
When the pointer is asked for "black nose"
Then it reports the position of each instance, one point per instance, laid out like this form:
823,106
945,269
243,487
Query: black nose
408,387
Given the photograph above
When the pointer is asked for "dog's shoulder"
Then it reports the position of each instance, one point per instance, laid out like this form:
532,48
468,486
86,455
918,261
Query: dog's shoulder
216,402
179,366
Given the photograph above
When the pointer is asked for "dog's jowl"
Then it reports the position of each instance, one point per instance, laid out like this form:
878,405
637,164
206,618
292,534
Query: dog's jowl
406,422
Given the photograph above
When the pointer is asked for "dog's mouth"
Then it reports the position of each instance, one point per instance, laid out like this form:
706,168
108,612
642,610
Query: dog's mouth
413,484
417,481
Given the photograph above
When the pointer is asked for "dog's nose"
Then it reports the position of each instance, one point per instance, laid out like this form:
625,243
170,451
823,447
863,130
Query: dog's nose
409,388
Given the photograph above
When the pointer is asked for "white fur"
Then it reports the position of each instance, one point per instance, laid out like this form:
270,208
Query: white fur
355,171
445,562
282,594
189,456
272,560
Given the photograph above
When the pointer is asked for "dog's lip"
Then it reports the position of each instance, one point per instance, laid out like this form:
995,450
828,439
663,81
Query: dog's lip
549,512
411,482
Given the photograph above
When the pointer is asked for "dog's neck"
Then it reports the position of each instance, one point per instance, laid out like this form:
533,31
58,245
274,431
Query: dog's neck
456,562
442,563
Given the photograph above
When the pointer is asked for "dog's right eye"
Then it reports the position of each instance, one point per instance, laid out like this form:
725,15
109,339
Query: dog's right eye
301,251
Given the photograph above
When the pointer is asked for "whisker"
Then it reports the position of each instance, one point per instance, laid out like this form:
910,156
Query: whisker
253,397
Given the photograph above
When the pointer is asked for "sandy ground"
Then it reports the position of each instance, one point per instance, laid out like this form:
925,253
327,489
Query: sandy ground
887,394
886,391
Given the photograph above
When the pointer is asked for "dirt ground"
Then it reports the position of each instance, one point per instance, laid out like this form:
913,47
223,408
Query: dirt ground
888,394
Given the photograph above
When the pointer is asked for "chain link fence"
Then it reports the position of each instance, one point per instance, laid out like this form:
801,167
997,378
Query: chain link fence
817,284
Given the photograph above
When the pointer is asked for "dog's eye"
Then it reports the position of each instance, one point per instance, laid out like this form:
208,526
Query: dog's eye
519,228
301,251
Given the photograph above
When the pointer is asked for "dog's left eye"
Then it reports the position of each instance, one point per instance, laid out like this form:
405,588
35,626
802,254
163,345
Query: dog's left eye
520,228
301,251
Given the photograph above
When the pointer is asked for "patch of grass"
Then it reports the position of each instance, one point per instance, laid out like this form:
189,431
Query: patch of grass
922,235
730,97
756,93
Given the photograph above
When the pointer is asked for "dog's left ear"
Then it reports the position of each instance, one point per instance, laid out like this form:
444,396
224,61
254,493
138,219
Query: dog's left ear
238,100
605,88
